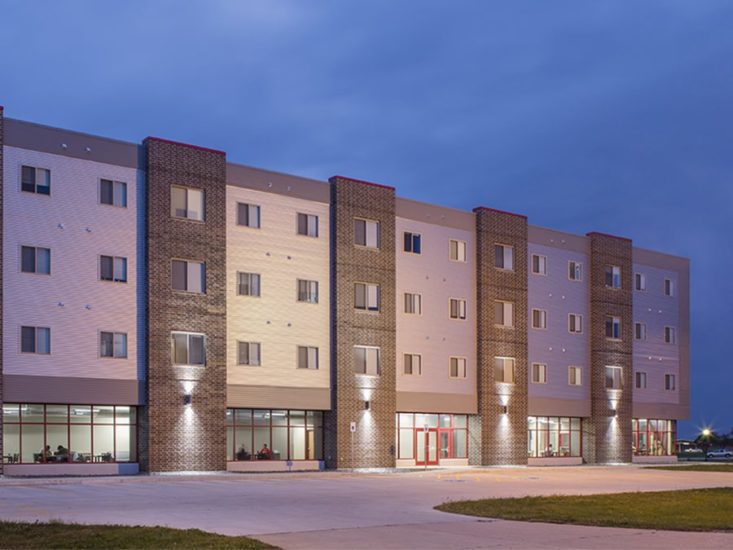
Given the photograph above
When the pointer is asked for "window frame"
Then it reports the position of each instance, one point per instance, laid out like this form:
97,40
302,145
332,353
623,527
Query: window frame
35,260
640,380
366,360
308,350
307,225
366,244
113,279
504,359
460,246
640,281
367,308
460,301
670,334
579,321
504,247
249,206
35,180
615,322
670,382
577,374
308,293
114,183
413,371
614,368
614,278
203,276
250,346
541,369
249,275
669,287
412,238
35,340
578,269
541,263
187,217
114,355
640,335
188,348
542,317
416,298
460,360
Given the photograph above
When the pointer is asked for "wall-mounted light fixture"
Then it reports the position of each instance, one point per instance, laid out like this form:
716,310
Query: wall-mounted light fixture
367,405
614,413
187,399
504,409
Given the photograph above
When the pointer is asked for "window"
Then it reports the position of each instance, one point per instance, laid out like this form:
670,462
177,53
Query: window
504,257
248,215
452,434
308,291
640,331
457,308
307,357
35,340
614,381
35,260
366,296
113,193
456,251
248,353
613,276
668,287
35,180
651,437
248,284
539,319
639,281
307,224
187,203
575,271
113,268
613,328
413,303
503,314
539,264
553,437
188,348
366,233
670,382
539,373
574,376
504,369
640,380
367,360
670,335
113,344
413,363
412,242
575,323
188,276
457,367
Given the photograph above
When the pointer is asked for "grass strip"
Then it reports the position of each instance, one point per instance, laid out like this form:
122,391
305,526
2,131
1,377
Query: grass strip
695,468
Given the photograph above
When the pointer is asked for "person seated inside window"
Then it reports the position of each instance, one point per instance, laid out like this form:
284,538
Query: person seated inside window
242,453
265,453
61,454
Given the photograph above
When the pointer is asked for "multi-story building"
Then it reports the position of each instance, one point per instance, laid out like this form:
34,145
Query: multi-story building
166,310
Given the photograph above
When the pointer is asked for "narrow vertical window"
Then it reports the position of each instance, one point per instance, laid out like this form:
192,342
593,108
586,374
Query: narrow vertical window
575,323
668,287
574,376
539,373
539,319
412,364
504,257
457,367
457,308
613,328
670,335
539,264
413,303
575,271
613,276
456,250
640,281
640,331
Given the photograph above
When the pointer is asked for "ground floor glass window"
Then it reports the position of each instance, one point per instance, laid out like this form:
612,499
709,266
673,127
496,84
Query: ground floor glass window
554,436
264,434
53,434
652,437
451,434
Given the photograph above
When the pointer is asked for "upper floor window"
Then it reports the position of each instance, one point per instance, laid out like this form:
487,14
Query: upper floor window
113,344
640,331
457,308
188,348
113,193
504,257
35,340
307,225
539,264
308,291
188,276
503,314
639,281
248,353
307,357
113,268
366,233
366,296
539,373
575,271
456,250
640,380
575,323
668,287
412,364
367,360
457,367
412,242
35,259
248,215
670,335
670,382
614,378
539,319
613,327
574,376
248,284
504,369
413,303
187,203
613,276
35,180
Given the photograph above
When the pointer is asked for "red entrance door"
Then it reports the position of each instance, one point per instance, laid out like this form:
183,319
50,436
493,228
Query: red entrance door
426,447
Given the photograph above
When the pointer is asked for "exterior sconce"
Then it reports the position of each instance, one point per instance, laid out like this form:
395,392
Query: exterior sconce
187,399
614,413
367,405
504,409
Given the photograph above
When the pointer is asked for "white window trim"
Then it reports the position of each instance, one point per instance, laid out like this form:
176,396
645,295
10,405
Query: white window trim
579,279
507,269
578,375
379,234
412,355
673,334
465,367
531,320
580,317
187,334
465,309
419,295
458,248
379,361
531,267
541,370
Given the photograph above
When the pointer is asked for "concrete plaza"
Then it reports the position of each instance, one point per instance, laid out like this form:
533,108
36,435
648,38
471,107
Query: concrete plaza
357,510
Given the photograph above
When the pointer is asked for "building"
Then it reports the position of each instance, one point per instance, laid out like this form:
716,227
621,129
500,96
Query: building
166,310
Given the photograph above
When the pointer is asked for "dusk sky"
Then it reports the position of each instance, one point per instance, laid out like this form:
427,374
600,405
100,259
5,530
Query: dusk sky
607,116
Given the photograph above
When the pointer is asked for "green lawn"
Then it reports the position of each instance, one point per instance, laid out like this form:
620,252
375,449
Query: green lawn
709,467
65,535
691,510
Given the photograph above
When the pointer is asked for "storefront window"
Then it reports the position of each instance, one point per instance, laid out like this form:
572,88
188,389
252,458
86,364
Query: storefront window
452,434
552,436
263,434
652,437
42,434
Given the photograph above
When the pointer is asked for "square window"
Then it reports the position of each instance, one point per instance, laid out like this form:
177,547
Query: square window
456,250
613,276
412,364
413,303
35,260
308,291
35,180
412,242
613,328
307,225
366,233
113,193
504,369
248,215
248,284
504,257
113,344
113,268
614,380
187,203
366,296
35,340
188,276
248,353
367,360
307,357
188,349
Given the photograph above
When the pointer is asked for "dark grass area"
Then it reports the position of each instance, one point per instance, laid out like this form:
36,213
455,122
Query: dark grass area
65,535
705,467
689,510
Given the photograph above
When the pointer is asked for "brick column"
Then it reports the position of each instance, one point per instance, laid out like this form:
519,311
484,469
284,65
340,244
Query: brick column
1,285
503,435
611,410
175,436
372,444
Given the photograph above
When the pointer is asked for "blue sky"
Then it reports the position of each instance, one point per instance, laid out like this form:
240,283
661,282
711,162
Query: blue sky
605,116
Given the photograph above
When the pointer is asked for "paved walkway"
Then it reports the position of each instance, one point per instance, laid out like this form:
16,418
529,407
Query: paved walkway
345,510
